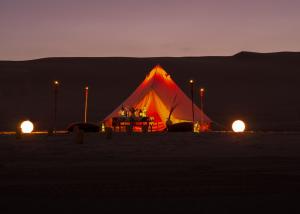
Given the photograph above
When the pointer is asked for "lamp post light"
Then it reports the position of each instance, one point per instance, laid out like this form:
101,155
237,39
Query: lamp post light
55,88
202,90
192,95
86,90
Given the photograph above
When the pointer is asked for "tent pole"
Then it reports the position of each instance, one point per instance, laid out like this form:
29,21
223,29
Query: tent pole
55,86
202,106
192,95
86,103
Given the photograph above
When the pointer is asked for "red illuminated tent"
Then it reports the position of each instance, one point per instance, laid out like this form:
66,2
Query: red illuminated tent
158,94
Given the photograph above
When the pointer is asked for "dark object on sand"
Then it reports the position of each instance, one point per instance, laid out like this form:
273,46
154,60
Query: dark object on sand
50,132
79,135
86,127
18,133
108,132
181,127
129,129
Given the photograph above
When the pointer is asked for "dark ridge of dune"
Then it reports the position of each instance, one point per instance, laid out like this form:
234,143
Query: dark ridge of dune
259,88
278,55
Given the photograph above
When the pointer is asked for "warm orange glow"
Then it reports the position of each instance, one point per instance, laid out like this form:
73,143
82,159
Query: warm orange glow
143,112
159,97
56,82
197,127
156,109
238,126
201,92
160,72
26,126
102,127
122,112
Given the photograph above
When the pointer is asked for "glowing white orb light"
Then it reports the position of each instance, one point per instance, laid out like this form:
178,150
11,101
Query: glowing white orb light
238,126
26,126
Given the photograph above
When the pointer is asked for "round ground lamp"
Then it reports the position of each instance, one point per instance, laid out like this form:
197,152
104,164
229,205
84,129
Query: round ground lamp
26,127
238,126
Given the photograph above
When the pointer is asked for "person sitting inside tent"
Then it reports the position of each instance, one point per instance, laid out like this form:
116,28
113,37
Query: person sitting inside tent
123,112
143,112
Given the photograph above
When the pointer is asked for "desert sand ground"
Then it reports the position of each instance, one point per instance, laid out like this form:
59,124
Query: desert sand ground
212,172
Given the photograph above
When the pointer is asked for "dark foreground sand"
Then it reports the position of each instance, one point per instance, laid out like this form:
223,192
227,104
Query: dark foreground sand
211,173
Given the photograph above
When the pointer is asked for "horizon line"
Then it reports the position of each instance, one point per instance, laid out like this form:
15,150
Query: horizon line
148,57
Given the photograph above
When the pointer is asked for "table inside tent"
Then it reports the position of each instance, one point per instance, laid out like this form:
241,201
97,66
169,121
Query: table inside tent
138,124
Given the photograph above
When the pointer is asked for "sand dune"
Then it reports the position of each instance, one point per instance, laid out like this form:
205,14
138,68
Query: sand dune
259,88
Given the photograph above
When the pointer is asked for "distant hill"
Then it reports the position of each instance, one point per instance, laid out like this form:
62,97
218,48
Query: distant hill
260,88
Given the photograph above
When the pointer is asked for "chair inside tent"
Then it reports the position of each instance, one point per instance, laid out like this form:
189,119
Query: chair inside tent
157,101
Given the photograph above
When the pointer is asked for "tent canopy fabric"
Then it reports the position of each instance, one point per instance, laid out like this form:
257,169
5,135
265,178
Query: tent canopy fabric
158,94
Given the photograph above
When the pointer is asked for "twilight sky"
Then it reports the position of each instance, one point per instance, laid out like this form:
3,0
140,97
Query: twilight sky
45,28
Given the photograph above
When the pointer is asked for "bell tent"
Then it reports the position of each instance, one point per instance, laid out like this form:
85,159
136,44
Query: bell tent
162,100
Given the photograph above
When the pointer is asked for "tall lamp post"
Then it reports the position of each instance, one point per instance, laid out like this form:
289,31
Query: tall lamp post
55,88
202,90
192,95
86,94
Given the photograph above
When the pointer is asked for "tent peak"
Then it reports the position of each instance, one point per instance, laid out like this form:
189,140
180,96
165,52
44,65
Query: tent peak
158,71
157,66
